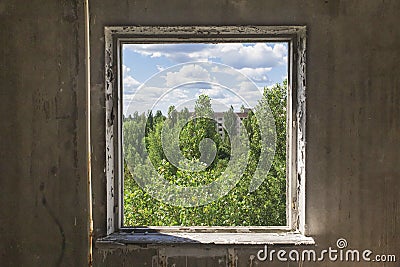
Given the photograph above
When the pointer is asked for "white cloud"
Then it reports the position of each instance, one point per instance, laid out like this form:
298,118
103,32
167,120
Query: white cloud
130,84
223,84
215,92
260,55
280,50
175,94
141,101
177,97
257,74
125,70
176,52
187,74
236,55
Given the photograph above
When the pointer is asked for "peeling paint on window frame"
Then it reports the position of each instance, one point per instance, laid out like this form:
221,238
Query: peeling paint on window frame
296,124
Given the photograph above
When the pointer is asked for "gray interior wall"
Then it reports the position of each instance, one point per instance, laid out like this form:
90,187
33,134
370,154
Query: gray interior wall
353,125
43,170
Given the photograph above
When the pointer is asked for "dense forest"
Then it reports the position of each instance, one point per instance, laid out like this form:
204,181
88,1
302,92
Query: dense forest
146,152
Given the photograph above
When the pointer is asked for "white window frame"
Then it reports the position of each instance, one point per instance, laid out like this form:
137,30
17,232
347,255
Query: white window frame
294,231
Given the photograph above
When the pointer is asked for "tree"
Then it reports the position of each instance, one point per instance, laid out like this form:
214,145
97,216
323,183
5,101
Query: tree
230,121
202,107
265,206
202,126
172,115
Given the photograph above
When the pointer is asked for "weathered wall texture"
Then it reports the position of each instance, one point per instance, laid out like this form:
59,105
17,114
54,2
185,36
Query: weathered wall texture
353,116
43,199
353,125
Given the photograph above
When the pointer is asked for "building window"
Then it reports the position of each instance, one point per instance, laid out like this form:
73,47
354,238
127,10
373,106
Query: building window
196,117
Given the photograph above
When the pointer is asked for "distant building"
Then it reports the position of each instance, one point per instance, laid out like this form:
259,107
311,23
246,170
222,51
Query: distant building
220,122
219,118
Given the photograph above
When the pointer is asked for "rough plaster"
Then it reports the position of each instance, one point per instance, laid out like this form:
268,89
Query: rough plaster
343,43
43,206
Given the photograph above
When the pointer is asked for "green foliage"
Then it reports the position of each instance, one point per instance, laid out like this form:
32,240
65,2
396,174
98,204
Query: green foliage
230,121
263,207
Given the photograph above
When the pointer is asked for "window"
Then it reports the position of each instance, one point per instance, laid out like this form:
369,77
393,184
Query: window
152,162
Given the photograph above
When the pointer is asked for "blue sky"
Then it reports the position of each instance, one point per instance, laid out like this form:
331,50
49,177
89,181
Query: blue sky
156,76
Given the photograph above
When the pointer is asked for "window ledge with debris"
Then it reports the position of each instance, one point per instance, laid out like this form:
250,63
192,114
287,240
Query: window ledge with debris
216,238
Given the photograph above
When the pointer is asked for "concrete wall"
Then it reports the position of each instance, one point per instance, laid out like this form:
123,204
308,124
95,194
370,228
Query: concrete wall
353,125
43,170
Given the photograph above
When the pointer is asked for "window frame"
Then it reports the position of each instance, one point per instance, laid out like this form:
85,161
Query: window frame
115,36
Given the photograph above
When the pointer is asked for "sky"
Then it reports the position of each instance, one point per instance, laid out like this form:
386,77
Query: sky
156,76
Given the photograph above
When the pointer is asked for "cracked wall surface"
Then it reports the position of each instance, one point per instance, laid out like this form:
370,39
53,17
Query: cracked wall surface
43,171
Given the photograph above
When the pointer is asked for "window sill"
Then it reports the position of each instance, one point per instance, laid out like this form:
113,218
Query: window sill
123,239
